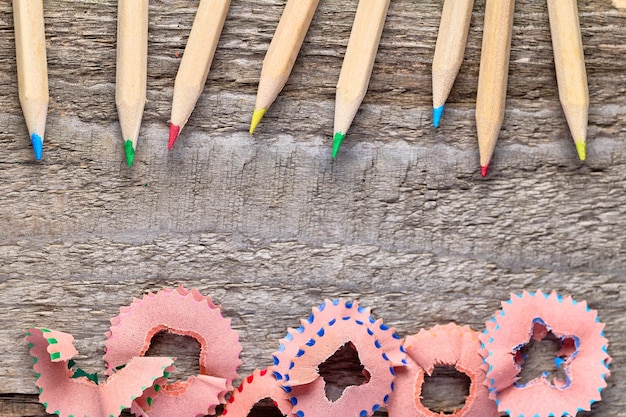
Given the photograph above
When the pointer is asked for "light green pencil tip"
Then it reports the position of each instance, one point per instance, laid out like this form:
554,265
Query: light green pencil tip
337,140
256,118
130,152
581,147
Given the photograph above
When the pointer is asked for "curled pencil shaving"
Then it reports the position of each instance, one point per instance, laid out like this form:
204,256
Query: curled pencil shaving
257,386
450,345
60,345
307,388
319,317
141,405
183,312
182,399
583,355
65,395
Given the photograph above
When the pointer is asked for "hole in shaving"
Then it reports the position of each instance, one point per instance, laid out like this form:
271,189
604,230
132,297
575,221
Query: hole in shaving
186,349
342,370
265,408
537,358
445,390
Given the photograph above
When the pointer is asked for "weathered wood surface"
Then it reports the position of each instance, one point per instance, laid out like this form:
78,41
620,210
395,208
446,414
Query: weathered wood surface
269,225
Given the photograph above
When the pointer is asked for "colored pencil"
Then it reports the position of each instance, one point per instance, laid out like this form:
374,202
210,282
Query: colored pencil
357,65
282,53
32,68
493,76
197,58
132,65
571,75
449,51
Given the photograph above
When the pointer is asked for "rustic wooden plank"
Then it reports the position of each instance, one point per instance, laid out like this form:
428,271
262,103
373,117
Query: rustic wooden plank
269,225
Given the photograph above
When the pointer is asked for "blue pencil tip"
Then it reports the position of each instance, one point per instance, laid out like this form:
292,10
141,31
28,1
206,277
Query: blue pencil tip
37,142
437,112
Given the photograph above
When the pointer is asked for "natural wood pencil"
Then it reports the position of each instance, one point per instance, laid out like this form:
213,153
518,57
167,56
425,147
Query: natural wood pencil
282,53
132,65
357,65
197,58
449,51
32,68
493,76
571,75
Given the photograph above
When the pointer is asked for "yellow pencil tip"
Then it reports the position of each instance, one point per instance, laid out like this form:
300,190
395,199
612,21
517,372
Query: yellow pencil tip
581,147
256,118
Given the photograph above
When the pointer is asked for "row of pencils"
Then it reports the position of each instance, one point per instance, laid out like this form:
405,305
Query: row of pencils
132,52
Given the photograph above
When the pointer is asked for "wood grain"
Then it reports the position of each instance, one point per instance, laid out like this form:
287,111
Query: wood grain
269,225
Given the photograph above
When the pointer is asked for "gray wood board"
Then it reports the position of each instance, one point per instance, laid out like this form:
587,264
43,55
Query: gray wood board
269,225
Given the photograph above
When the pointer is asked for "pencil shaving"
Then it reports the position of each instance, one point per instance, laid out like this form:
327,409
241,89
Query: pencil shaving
450,345
341,323
183,312
65,395
257,386
320,316
585,361
183,399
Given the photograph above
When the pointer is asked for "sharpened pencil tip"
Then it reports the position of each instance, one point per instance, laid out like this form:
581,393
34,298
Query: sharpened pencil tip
337,140
437,113
37,142
484,169
130,152
174,131
257,115
581,147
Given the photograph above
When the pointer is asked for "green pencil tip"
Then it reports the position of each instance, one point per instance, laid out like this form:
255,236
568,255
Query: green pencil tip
581,147
337,140
256,118
130,152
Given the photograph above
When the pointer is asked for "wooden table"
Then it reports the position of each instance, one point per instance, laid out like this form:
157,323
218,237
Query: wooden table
269,225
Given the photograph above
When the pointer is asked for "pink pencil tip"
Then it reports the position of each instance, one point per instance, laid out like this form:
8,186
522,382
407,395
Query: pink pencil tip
484,170
174,131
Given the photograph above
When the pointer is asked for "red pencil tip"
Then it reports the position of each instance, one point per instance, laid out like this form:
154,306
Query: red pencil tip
484,170
174,131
